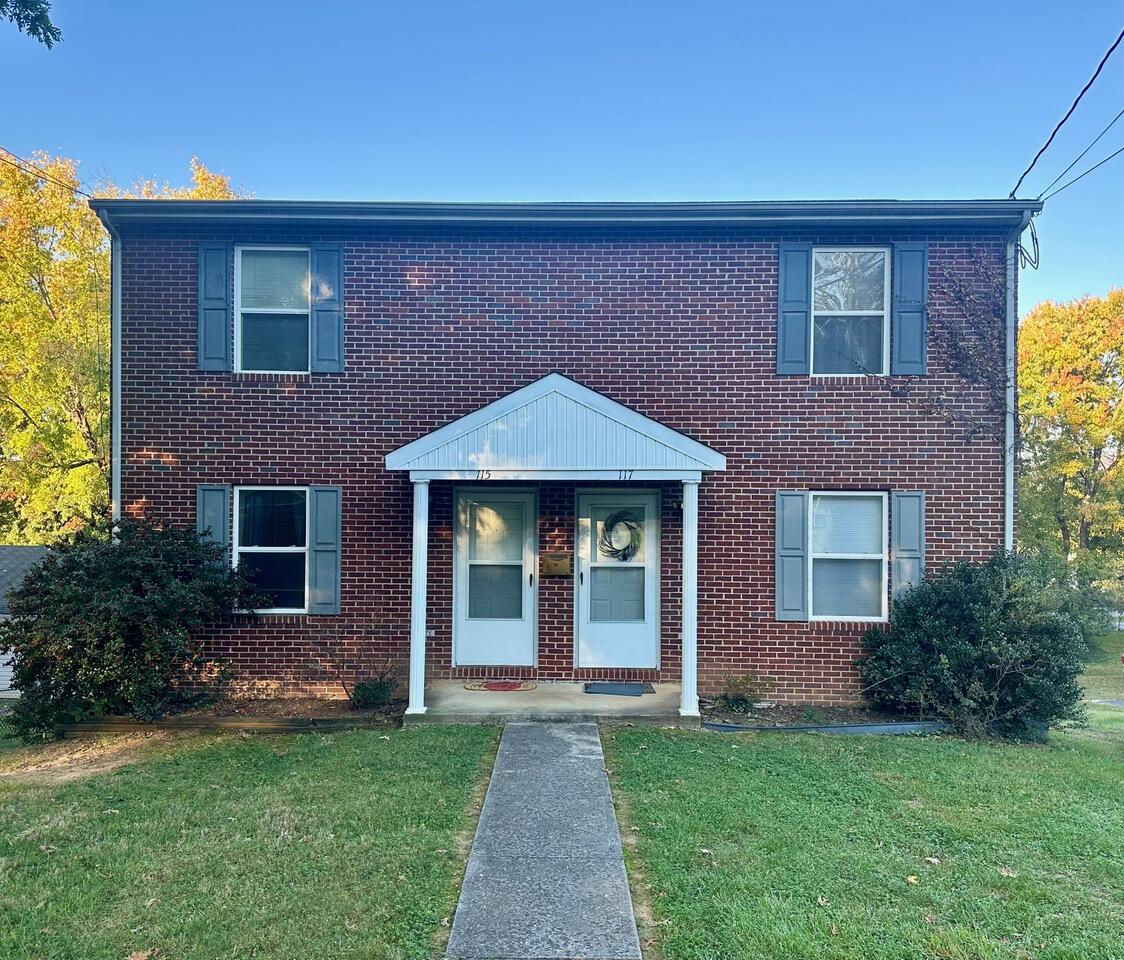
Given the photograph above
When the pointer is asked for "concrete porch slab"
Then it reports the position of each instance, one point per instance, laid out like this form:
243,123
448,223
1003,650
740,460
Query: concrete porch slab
447,701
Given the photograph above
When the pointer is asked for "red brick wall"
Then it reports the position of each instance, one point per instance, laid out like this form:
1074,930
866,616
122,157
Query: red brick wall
678,323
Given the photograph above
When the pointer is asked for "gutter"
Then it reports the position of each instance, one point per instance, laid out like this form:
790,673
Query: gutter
115,366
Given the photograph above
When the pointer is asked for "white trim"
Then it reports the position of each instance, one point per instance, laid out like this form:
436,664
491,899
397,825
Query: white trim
703,457
238,311
235,549
887,253
689,654
562,473
884,557
1010,433
419,584
530,496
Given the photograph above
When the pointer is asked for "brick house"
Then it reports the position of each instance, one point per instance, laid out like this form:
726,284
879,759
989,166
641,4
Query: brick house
634,441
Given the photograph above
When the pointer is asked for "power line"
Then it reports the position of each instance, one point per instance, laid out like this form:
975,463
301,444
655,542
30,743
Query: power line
1069,112
20,164
1081,154
1115,153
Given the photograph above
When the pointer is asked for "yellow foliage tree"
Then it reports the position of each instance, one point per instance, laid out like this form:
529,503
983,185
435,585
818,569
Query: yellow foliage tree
1071,380
54,344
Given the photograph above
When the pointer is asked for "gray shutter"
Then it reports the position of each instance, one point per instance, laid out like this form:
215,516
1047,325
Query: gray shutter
212,512
792,555
909,314
907,526
214,333
327,307
794,317
324,550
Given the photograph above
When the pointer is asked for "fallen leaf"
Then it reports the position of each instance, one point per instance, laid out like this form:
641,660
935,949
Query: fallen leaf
933,860
142,955
834,930
823,901
704,850
929,918
1008,872
912,879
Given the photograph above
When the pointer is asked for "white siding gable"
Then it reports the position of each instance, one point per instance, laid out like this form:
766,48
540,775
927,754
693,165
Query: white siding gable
555,427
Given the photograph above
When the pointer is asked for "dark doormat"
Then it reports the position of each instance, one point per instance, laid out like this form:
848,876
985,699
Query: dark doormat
620,689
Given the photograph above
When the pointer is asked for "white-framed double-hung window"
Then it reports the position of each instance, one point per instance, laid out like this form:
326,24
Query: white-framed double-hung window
272,309
847,551
271,544
850,311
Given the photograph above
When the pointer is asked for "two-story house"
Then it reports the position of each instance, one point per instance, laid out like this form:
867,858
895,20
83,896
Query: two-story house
670,442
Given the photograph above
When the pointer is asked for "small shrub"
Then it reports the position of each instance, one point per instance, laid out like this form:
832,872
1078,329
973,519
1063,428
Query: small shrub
742,692
989,648
374,692
106,627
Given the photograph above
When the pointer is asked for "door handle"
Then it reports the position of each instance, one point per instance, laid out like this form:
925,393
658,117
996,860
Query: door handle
581,578
530,580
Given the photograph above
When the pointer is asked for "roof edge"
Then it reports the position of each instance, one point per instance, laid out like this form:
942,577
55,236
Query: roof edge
1003,212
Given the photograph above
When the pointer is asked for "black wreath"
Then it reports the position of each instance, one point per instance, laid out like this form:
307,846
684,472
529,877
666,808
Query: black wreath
635,535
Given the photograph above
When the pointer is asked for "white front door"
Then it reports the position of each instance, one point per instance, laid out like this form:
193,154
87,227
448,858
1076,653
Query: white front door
618,580
494,563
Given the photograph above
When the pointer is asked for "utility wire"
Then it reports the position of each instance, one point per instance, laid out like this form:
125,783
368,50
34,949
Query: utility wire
1081,154
14,161
1115,153
1069,112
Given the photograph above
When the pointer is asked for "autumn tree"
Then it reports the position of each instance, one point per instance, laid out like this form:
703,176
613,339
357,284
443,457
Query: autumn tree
1071,405
54,344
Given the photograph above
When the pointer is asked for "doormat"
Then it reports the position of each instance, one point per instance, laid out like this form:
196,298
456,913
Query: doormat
501,686
620,689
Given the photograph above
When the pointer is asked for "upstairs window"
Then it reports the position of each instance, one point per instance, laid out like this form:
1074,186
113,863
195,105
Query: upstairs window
850,311
848,556
271,294
271,544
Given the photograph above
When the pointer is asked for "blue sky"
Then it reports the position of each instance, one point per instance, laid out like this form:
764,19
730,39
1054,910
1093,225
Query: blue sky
593,101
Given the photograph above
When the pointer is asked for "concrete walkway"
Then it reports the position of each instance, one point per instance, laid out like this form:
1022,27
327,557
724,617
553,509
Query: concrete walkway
546,879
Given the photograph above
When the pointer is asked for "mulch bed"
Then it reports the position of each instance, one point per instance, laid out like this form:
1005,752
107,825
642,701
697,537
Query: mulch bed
264,716
794,714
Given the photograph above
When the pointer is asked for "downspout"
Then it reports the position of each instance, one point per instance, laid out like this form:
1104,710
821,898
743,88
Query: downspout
1011,427
115,368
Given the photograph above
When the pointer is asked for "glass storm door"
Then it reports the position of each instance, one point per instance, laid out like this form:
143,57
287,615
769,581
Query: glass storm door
493,581
618,570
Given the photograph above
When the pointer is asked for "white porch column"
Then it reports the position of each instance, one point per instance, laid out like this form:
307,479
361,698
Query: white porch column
689,705
418,583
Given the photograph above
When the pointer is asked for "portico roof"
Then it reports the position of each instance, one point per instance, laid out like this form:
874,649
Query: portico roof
555,429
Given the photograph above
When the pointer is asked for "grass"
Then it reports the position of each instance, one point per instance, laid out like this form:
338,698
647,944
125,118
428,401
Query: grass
341,846
782,846
1104,677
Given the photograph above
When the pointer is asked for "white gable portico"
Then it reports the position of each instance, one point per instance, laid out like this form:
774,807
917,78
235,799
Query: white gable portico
556,429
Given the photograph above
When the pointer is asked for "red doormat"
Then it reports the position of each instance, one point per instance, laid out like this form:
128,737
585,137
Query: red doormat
501,686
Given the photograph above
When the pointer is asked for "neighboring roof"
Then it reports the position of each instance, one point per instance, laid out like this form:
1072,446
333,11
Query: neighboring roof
1011,213
555,428
15,562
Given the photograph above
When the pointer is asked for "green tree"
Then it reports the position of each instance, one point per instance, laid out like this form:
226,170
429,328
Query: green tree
54,345
33,18
1071,405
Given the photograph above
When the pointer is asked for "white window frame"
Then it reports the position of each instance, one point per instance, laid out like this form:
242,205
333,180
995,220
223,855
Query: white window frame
291,310
884,556
884,312
237,549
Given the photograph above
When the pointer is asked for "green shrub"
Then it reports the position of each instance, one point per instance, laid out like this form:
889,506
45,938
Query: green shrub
109,627
742,692
374,692
990,648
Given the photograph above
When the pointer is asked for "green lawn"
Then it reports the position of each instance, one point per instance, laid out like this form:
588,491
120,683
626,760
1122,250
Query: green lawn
781,846
1104,677
340,846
